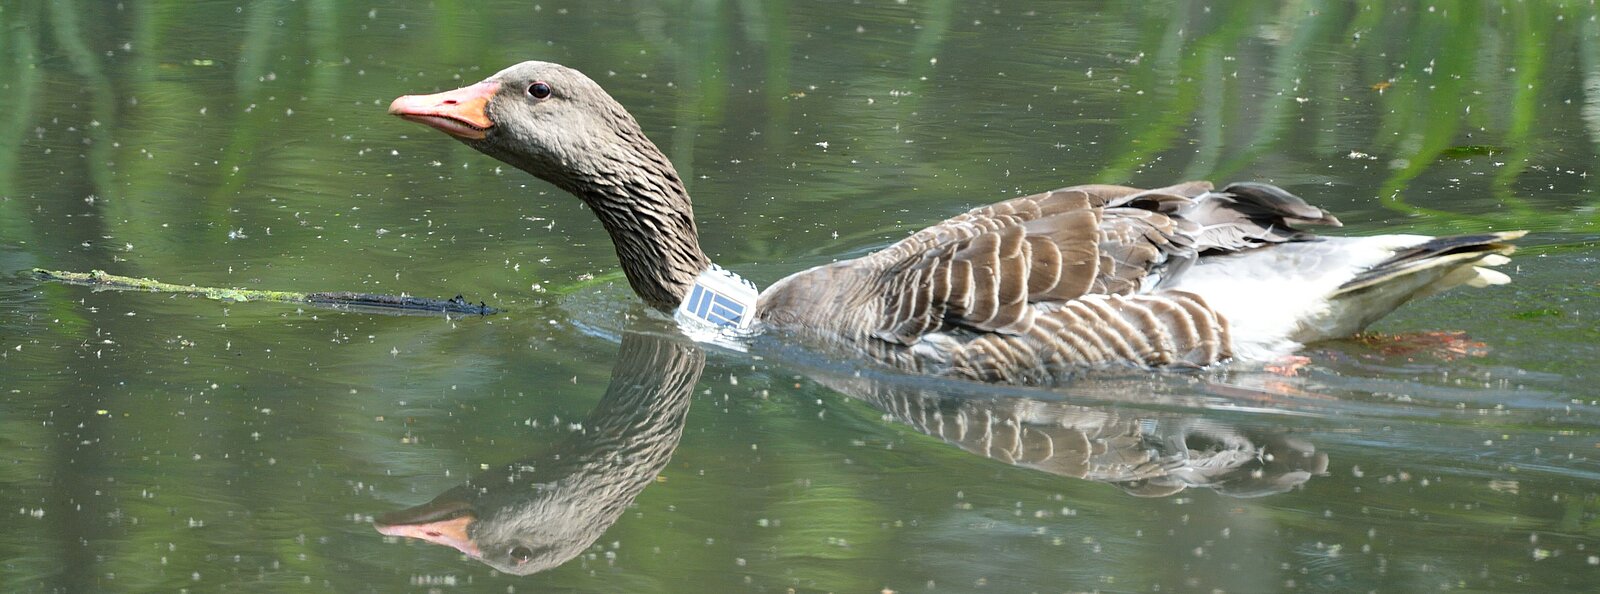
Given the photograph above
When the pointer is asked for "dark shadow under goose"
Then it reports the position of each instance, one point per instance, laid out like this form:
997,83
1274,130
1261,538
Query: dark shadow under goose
1029,290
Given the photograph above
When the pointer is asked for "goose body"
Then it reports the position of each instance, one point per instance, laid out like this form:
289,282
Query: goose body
1029,290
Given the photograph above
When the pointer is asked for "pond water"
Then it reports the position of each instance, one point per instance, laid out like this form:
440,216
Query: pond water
153,442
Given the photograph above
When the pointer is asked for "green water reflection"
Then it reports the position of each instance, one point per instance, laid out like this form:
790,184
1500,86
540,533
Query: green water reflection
158,443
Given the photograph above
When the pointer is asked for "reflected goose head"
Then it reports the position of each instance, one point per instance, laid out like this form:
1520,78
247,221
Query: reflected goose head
514,537
536,513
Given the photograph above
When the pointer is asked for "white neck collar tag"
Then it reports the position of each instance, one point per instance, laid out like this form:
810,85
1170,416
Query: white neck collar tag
720,304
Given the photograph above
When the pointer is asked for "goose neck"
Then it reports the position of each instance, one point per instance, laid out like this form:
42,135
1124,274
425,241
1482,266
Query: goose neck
647,212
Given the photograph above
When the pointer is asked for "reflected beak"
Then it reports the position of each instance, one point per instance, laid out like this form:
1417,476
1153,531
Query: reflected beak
459,113
443,523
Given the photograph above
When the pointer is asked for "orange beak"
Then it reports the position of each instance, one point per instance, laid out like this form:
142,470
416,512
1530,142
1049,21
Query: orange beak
459,113
439,523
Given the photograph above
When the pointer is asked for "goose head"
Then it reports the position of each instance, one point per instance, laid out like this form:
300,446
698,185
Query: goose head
560,126
544,118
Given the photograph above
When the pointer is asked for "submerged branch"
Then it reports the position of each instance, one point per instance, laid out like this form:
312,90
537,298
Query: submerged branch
100,279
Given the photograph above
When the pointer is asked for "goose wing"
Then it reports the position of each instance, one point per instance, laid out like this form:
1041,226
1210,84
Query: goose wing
1009,267
985,269
988,269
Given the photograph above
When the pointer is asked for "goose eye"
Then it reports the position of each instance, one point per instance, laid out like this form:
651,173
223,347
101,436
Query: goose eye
522,554
539,90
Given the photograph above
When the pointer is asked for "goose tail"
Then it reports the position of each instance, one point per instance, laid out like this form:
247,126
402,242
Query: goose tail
1430,267
1289,294
1464,259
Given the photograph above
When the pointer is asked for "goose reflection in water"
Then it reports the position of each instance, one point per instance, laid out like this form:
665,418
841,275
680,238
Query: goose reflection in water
1145,453
540,512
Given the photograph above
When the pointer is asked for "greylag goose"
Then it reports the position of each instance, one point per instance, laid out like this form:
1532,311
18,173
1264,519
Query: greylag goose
1028,290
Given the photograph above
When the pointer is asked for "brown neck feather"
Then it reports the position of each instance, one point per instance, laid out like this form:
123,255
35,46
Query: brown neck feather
643,205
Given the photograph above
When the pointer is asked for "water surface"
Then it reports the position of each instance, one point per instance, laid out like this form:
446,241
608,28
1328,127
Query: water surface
154,442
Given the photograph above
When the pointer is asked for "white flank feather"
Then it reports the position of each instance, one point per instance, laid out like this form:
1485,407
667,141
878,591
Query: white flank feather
1279,297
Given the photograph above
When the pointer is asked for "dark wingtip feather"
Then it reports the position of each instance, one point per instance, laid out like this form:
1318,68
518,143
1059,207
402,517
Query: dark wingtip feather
1279,201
